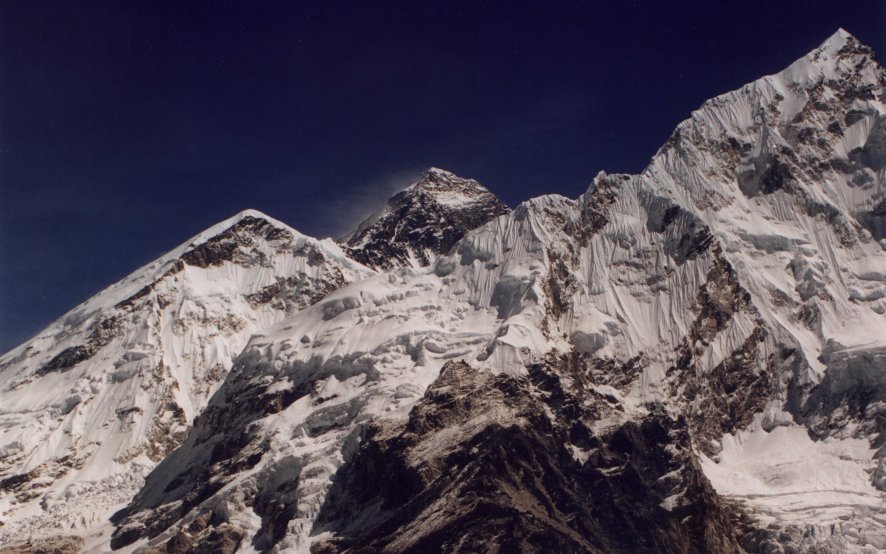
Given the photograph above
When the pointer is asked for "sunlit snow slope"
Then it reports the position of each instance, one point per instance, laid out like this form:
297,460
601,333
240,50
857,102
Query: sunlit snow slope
789,173
98,398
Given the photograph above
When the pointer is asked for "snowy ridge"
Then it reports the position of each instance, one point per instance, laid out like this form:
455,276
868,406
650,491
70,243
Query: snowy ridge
97,399
787,173
512,292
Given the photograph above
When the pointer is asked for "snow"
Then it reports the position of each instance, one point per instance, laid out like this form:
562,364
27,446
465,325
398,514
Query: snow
421,219
784,476
173,347
374,346
762,234
769,466
447,189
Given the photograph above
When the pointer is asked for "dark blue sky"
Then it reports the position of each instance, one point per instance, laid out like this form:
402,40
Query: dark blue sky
125,128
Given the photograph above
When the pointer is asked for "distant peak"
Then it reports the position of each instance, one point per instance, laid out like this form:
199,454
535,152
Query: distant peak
242,216
435,181
250,213
422,221
438,171
227,224
837,40
432,175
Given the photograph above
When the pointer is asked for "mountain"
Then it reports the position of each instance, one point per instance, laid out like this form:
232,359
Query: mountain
101,396
422,222
685,360
98,398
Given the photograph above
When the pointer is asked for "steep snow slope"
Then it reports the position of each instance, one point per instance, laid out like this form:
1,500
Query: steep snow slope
735,288
422,221
97,399
787,170
789,173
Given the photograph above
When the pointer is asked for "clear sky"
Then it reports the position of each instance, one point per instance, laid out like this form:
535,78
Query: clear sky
127,127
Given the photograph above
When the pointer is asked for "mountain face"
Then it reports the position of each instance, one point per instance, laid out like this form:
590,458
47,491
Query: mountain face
422,222
97,399
686,360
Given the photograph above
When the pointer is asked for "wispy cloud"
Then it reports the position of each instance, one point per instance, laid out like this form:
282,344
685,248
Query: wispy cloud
363,200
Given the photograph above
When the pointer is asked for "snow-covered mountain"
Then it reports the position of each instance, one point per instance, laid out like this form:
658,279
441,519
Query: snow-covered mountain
686,360
98,398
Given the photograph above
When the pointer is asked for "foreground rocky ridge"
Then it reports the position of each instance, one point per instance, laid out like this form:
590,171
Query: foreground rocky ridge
529,472
689,359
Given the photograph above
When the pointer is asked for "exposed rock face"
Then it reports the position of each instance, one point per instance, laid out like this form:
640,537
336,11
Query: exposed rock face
495,462
726,397
57,545
423,222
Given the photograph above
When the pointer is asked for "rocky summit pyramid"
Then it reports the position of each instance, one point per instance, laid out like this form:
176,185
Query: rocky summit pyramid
692,359
423,221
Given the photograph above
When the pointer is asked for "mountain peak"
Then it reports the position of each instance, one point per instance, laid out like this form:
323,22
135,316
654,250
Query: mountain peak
435,175
438,171
836,40
432,178
422,221
692,356
841,45
447,188
838,58
239,217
